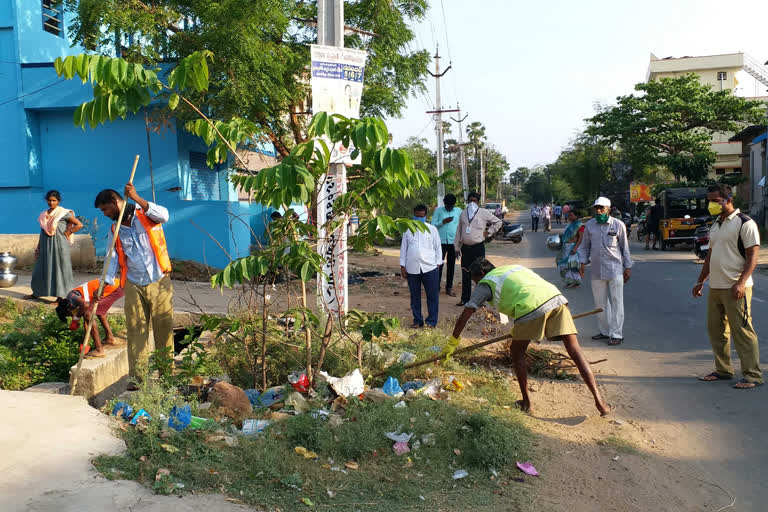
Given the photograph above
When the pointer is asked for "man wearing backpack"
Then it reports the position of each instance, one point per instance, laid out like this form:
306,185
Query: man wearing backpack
732,257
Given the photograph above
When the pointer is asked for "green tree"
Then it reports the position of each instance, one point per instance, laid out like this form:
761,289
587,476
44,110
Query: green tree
262,53
669,123
477,138
537,187
585,166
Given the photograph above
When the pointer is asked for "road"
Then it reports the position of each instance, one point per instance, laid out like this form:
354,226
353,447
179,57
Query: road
718,431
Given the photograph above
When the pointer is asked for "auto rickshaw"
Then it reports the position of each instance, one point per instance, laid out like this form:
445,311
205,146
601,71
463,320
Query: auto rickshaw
681,207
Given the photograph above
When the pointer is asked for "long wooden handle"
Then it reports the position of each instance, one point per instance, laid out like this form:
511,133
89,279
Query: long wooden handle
476,346
102,279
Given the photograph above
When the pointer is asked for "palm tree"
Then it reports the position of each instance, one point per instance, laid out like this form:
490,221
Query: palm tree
477,137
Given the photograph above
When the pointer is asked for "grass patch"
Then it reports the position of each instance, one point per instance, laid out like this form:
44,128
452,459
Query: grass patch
619,445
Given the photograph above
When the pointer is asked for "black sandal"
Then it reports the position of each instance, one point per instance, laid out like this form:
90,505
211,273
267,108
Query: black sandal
717,376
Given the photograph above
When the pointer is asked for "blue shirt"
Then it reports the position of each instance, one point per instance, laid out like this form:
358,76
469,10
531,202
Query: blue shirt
142,267
447,231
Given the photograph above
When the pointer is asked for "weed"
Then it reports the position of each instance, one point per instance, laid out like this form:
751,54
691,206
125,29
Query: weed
620,445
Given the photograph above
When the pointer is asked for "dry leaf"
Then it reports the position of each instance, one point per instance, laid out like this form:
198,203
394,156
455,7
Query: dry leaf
352,465
169,448
457,451
161,473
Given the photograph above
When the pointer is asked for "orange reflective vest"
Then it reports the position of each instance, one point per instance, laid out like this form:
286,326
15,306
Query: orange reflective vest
87,290
156,241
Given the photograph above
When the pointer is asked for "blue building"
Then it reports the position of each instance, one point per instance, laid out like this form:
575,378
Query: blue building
44,150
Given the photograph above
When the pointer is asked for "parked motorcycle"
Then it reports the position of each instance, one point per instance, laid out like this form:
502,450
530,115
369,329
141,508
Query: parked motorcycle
701,237
511,232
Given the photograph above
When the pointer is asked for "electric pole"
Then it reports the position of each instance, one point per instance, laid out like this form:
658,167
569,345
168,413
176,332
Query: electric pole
439,125
483,162
462,160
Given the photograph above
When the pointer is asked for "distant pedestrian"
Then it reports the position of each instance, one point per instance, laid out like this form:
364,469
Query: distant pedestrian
538,311
420,257
566,209
475,226
606,248
652,224
734,242
535,212
446,220
52,274
568,259
559,214
498,213
545,217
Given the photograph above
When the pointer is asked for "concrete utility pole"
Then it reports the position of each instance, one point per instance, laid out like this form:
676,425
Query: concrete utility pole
330,32
483,161
462,159
439,125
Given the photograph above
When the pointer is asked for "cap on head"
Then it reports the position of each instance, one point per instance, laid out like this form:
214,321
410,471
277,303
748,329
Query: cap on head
602,201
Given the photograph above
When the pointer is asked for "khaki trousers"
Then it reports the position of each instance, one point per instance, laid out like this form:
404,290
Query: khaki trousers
145,306
726,318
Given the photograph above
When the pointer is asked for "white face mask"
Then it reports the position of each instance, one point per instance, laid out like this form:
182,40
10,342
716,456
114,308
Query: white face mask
472,208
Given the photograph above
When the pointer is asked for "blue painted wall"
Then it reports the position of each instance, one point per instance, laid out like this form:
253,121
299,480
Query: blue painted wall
44,150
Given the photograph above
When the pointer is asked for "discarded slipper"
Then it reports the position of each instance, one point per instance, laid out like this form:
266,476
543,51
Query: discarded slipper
745,381
714,376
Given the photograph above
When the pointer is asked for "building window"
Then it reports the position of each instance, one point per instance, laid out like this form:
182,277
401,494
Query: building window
722,75
719,172
204,182
52,17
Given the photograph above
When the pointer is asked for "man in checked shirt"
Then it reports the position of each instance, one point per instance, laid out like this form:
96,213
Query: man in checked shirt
606,247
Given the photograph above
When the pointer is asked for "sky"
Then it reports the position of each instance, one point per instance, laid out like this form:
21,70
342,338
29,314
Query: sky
531,72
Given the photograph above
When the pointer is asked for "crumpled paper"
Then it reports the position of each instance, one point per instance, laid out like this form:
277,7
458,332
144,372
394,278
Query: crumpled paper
352,384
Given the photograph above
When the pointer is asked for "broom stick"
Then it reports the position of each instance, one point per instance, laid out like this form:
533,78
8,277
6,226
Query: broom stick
107,259
475,346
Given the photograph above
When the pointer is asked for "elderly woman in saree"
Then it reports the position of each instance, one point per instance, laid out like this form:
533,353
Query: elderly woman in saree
567,260
52,276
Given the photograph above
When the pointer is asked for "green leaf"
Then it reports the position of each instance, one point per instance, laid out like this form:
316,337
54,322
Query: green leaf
78,117
58,65
306,272
173,101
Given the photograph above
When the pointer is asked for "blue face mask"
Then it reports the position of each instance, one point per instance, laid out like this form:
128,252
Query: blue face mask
422,219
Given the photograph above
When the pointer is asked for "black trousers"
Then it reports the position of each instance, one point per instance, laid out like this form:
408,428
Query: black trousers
534,223
450,251
469,253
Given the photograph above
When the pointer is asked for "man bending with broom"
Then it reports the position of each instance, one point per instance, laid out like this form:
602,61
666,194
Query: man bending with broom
142,256
538,310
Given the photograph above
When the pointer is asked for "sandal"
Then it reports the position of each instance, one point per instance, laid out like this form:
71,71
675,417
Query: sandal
745,381
615,341
609,411
714,376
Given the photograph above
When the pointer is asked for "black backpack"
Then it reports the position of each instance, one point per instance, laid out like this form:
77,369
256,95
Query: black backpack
744,219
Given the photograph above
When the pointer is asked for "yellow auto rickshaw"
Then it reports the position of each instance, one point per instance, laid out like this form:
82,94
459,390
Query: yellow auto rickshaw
681,207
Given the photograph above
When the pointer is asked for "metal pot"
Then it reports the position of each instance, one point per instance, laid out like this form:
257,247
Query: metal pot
554,242
7,279
7,261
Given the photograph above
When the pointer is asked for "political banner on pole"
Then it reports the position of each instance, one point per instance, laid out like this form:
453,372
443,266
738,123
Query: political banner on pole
337,86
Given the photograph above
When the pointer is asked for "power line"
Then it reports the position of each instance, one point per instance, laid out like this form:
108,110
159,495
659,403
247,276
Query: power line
32,92
445,31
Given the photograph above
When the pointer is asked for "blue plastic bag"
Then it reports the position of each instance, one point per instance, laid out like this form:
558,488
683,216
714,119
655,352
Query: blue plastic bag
392,386
414,384
180,417
122,408
271,396
253,397
141,413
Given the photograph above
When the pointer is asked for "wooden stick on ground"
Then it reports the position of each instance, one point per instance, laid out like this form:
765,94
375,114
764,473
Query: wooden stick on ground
475,346
94,304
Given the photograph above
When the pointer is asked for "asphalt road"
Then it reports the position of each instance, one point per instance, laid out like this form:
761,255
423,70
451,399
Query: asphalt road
719,431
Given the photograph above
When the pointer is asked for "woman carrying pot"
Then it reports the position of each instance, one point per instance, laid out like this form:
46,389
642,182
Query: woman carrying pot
52,276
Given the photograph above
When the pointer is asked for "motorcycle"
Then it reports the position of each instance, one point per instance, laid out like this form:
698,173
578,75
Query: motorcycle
641,228
626,218
701,237
511,232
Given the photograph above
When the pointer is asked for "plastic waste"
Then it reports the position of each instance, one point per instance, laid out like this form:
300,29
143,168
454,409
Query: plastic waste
300,450
271,396
392,386
198,422
297,401
407,357
527,468
461,473
352,384
432,388
401,448
180,417
299,381
398,437
377,395
320,413
141,413
253,397
453,384
414,384
400,405
428,439
254,428
122,408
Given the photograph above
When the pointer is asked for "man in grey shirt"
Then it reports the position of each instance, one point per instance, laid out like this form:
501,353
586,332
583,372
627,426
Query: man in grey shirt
606,248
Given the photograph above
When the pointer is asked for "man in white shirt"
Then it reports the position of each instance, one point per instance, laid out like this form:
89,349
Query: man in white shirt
421,254
734,241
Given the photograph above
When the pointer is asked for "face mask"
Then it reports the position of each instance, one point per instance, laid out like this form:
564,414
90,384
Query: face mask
420,219
715,208
472,208
601,218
